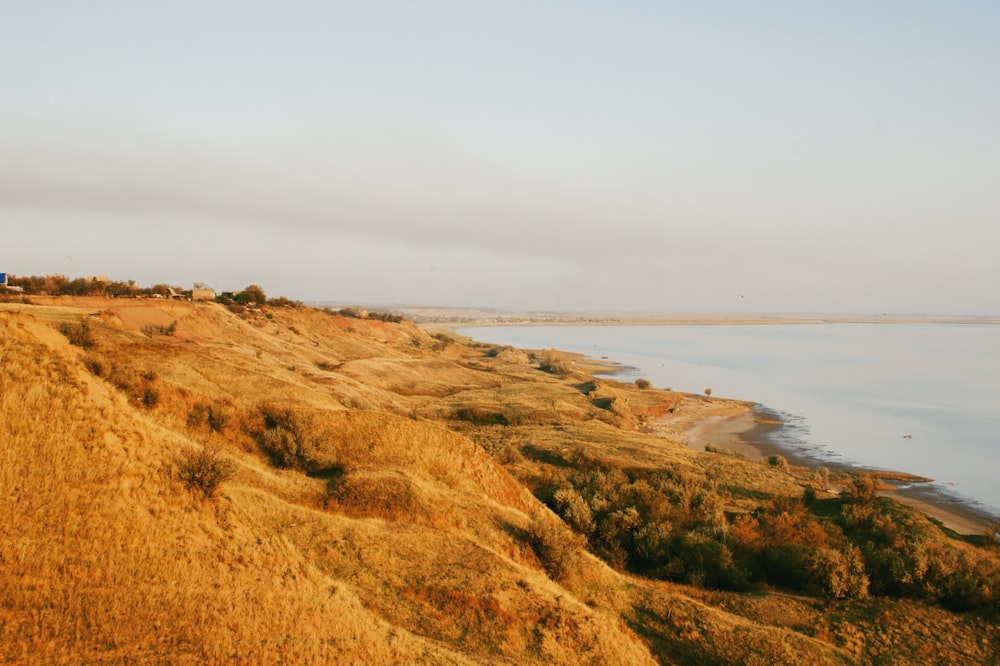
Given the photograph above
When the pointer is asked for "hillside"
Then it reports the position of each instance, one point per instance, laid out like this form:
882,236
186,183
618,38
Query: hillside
393,496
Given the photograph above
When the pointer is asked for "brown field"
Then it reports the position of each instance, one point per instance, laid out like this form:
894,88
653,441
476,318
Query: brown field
390,500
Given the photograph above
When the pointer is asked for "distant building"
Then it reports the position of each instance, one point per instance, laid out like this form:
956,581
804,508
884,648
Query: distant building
8,287
202,294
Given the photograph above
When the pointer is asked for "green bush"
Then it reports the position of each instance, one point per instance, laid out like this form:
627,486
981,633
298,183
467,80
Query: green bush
252,295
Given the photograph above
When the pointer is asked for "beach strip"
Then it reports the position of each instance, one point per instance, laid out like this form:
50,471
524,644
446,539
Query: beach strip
706,424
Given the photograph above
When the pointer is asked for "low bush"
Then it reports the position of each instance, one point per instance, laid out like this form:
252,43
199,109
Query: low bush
213,416
150,397
555,545
553,362
78,334
482,416
96,363
204,470
282,302
861,489
150,330
777,461
290,439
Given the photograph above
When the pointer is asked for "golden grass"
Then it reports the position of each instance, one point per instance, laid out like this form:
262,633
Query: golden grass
409,543
103,558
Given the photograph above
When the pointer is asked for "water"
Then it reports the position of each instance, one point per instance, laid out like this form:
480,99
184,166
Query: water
922,399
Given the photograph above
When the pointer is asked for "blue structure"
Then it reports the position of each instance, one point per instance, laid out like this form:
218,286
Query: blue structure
3,279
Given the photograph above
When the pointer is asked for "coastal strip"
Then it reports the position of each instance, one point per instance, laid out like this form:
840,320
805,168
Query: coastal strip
707,424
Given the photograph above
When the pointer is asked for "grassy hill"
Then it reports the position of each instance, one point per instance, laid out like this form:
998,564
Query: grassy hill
392,496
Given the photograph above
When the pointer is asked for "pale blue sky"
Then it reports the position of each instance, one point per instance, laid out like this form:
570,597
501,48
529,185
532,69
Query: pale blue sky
811,157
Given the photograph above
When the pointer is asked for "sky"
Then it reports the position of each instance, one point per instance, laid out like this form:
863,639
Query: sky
634,155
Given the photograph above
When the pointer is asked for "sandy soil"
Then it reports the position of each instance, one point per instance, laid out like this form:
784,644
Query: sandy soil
953,520
699,423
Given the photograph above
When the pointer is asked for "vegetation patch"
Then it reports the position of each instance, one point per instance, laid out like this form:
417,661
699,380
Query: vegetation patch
204,469
78,334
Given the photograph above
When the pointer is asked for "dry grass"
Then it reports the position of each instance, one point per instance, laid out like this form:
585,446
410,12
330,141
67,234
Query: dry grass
105,560
400,535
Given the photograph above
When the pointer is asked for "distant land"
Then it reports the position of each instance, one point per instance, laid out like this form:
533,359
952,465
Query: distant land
470,316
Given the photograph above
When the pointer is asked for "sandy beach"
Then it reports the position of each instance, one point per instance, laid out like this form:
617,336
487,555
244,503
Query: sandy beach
733,425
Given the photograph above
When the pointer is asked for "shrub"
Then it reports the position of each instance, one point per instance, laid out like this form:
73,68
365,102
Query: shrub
150,396
574,510
150,330
387,317
96,364
443,338
282,302
252,295
708,392
809,495
553,362
861,489
216,417
839,573
555,545
777,461
79,335
288,438
204,470
482,415
643,384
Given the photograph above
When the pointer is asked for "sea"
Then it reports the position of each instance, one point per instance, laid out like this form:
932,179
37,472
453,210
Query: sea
923,399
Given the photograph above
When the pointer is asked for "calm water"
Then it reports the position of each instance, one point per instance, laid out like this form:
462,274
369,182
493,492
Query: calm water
849,393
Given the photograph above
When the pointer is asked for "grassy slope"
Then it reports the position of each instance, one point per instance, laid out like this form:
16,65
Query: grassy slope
414,550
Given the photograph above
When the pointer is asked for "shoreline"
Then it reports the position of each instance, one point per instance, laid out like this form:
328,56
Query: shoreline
748,428
744,429
456,318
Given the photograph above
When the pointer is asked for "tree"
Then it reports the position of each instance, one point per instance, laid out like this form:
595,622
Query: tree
252,295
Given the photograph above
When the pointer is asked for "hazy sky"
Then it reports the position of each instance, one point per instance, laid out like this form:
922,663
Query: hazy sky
658,156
